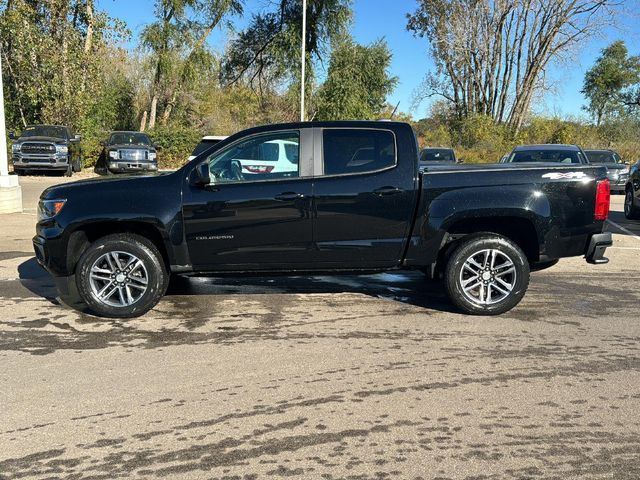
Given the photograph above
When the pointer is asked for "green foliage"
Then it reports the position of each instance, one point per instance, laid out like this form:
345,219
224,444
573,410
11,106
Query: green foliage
606,83
357,83
176,142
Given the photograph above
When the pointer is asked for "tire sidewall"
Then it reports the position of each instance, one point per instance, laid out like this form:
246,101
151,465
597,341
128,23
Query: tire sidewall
157,276
473,245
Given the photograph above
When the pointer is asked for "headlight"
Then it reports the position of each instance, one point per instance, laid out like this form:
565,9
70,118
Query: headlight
62,149
113,154
153,155
49,208
15,148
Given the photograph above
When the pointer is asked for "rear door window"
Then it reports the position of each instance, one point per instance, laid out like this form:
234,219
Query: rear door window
347,151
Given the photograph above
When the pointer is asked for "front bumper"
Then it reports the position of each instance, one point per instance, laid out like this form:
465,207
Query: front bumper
598,244
132,166
40,162
618,183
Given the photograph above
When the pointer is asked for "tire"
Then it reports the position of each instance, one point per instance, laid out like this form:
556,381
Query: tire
18,171
631,212
507,288
77,165
113,291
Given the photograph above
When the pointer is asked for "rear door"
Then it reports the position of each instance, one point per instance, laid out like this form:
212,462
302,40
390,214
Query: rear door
365,196
252,221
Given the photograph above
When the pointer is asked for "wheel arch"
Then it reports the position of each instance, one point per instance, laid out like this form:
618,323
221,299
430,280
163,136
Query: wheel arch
84,236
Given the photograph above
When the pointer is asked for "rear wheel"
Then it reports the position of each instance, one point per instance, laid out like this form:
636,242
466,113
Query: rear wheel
121,276
630,211
77,165
487,274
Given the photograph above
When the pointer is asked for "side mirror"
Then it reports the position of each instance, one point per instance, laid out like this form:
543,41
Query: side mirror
460,160
12,135
627,162
77,137
203,177
157,146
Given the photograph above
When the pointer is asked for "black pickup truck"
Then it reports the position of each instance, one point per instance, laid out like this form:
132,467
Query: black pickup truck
339,197
46,148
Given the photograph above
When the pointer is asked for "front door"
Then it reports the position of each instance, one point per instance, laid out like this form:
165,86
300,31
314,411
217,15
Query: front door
255,214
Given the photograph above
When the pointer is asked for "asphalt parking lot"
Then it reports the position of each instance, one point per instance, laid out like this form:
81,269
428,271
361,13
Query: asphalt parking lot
367,377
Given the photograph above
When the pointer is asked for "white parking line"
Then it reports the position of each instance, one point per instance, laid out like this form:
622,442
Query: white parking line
628,232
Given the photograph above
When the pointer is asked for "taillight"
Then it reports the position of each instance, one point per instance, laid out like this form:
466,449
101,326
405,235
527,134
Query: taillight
258,168
603,200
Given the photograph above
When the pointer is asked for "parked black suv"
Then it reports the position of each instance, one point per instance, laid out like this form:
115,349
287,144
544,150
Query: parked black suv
126,152
46,147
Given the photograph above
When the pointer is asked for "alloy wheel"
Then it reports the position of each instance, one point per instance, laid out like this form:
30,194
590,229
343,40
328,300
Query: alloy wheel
118,279
487,277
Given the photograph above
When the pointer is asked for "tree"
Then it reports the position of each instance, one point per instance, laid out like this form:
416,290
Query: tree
491,55
177,43
357,82
266,55
605,83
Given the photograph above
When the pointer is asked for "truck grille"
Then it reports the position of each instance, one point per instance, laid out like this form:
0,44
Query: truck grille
133,154
38,148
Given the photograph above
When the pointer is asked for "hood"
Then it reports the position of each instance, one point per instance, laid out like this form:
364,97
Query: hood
56,140
121,182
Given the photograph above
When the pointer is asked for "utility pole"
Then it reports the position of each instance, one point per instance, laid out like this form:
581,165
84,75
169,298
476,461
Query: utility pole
304,57
10,192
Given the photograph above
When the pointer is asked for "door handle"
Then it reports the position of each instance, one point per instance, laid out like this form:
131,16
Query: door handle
383,191
289,196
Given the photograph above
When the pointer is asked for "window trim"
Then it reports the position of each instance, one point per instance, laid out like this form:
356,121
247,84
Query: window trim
319,153
300,176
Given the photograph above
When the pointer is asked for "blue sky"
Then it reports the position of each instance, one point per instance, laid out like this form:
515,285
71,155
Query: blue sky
374,19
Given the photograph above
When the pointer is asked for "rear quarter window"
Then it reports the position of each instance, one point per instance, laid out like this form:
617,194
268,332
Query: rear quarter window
348,151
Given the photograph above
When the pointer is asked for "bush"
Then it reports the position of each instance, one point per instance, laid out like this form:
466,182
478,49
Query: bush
176,142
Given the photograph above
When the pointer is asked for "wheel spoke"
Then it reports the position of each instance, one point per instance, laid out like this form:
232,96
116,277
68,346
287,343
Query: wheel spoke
475,285
469,280
130,299
506,285
503,292
501,274
101,277
121,295
488,299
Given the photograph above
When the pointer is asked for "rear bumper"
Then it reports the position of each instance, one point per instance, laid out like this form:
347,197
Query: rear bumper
598,244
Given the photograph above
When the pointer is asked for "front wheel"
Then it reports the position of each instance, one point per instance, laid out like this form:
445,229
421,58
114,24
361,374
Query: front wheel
630,211
487,274
121,276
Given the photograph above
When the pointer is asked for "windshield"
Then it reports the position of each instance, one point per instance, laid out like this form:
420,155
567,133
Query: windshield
131,138
603,157
552,156
45,131
437,155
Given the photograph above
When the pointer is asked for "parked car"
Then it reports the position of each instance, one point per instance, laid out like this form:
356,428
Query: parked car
278,156
127,152
479,227
205,144
46,148
617,169
632,193
549,153
434,156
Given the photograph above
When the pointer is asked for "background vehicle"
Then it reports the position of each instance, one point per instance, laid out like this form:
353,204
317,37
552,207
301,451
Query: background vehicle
632,194
205,144
438,155
550,153
278,156
617,169
46,148
480,227
126,152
